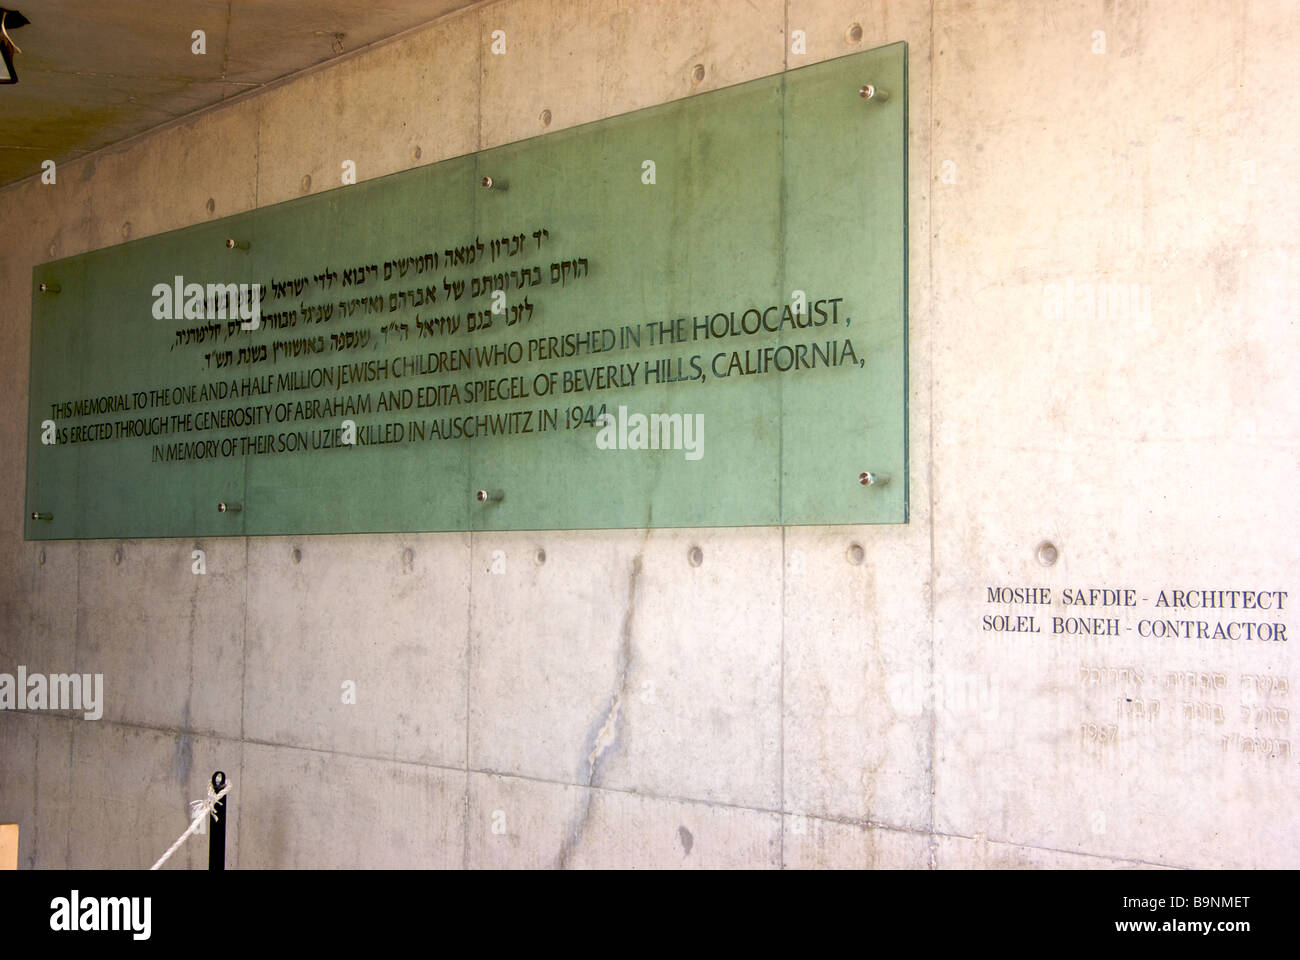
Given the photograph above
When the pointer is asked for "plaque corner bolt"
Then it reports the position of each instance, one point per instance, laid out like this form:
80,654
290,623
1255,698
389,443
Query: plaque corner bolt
224,507
233,244
489,496
869,91
47,517
490,183
48,287
869,479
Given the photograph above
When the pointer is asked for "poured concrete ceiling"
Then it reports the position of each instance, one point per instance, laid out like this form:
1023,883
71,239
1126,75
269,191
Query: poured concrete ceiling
92,73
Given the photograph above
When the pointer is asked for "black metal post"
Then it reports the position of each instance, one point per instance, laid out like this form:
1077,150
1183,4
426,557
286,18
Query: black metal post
217,839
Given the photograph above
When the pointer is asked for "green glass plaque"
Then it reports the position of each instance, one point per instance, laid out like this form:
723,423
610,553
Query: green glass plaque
690,315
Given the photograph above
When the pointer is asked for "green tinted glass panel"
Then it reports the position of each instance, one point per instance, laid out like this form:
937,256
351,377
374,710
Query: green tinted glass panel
690,315
343,332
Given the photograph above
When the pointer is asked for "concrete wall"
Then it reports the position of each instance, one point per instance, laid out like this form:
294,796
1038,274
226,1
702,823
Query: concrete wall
780,704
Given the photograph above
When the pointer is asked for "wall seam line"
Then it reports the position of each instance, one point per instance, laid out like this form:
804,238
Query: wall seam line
930,336
640,794
781,800
469,599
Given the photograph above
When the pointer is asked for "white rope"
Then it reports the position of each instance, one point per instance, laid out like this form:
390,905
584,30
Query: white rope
200,810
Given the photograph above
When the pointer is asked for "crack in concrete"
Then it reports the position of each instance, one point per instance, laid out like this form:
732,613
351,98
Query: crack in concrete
607,728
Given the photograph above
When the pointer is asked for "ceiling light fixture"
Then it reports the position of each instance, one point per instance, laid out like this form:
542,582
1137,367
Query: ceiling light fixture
9,18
